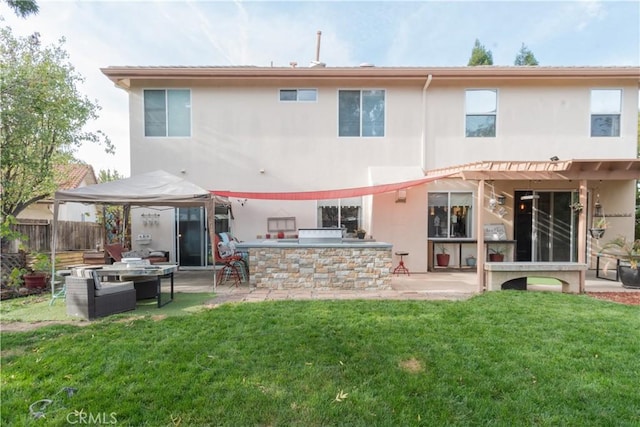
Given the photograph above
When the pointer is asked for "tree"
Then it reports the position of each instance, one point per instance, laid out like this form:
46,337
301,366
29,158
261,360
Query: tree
525,57
42,115
115,219
480,55
23,8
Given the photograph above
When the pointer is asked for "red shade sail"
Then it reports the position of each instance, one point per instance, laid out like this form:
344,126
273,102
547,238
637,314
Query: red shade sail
325,194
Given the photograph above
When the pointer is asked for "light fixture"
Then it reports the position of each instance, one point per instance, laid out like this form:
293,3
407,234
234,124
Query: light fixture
401,196
492,200
530,197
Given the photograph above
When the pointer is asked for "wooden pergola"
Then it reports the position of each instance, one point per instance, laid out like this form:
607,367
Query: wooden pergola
579,171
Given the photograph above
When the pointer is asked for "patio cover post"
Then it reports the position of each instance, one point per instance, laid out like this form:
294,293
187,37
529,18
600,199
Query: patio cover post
582,233
210,207
480,255
54,242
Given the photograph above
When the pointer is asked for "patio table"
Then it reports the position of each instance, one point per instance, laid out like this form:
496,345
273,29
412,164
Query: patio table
126,271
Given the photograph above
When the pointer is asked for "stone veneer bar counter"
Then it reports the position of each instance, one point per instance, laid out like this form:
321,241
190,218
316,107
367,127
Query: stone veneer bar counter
290,264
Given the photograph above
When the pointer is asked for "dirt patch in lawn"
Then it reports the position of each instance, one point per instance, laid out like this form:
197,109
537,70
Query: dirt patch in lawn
629,298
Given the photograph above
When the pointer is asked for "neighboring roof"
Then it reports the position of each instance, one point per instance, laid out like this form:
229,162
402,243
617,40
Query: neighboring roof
157,188
122,75
72,175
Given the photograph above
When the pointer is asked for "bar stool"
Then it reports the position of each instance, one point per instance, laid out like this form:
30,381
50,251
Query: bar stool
401,267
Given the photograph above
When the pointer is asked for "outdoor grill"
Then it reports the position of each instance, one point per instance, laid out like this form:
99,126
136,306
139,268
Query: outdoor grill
320,235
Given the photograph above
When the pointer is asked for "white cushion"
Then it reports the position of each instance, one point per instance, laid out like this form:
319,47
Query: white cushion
108,288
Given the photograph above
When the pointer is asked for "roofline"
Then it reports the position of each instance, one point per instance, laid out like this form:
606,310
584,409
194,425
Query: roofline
122,75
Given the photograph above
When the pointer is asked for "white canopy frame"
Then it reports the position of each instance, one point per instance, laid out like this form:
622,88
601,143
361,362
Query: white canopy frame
158,188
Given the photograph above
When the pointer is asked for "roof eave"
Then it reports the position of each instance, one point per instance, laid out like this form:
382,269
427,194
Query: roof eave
122,76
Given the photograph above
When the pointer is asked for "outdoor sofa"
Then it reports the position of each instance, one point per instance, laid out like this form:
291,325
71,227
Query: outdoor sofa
90,298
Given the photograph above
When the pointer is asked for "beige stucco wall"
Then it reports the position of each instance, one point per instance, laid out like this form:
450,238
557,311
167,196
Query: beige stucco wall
244,138
535,121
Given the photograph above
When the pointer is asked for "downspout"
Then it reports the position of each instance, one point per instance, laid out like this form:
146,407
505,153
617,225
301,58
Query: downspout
424,121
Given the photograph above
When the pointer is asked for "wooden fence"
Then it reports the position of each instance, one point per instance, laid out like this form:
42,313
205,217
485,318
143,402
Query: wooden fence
71,235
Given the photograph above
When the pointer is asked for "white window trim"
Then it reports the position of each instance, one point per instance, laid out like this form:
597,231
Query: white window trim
166,136
465,114
386,122
591,113
474,202
297,100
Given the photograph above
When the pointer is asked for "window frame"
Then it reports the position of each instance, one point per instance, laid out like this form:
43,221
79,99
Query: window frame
360,120
166,112
478,114
469,226
297,92
606,113
340,204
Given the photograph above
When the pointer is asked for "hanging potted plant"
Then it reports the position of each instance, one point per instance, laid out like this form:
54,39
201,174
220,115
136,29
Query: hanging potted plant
627,251
598,228
576,206
599,222
443,257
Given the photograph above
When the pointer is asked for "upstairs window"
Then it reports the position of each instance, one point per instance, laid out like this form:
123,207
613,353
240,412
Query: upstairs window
298,95
167,112
606,106
361,113
481,109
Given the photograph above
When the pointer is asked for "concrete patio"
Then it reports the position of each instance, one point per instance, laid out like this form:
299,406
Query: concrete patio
419,286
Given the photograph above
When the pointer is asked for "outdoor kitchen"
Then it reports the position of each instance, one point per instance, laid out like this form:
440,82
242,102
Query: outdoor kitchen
320,258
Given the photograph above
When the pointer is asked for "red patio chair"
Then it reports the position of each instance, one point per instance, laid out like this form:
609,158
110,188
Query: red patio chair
229,264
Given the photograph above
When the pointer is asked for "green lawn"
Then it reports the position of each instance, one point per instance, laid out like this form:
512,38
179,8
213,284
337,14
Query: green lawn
501,359
37,309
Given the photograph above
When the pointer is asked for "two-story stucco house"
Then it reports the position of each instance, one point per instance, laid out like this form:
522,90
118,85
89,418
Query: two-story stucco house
421,158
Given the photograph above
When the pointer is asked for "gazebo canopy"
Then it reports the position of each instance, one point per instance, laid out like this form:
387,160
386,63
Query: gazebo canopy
158,188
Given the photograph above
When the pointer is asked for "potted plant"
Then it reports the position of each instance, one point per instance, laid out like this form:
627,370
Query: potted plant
39,272
496,254
361,233
598,228
443,257
471,261
628,251
576,206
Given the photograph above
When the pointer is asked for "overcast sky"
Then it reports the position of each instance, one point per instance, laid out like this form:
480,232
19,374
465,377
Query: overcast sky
265,33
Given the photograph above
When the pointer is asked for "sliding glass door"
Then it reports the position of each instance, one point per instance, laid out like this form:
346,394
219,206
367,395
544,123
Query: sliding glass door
545,226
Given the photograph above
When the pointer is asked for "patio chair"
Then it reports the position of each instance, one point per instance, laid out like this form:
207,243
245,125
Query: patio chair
117,252
233,265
